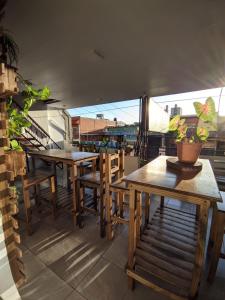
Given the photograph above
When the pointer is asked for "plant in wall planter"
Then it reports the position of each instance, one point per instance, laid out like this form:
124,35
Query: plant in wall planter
9,79
15,157
189,139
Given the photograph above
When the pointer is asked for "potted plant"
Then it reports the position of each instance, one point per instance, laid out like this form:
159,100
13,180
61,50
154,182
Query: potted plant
189,139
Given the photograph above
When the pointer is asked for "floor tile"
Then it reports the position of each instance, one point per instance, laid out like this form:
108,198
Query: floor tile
75,264
104,282
43,238
45,286
59,250
32,265
75,296
143,293
118,252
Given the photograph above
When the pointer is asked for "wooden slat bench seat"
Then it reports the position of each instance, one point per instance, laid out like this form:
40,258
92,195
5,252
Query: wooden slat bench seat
167,256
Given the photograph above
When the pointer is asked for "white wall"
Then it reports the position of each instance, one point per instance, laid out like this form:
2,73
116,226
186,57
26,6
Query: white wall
52,122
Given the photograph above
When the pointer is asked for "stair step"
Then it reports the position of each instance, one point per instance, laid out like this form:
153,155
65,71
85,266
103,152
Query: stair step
32,145
21,138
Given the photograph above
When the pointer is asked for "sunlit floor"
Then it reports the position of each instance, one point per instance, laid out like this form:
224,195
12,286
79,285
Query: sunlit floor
76,264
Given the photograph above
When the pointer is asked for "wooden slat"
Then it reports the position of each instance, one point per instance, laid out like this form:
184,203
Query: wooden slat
173,229
178,236
170,240
163,264
162,274
170,212
157,220
180,212
166,256
177,220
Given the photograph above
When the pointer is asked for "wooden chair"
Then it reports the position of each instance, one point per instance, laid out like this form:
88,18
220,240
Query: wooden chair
216,237
114,214
116,185
94,180
33,180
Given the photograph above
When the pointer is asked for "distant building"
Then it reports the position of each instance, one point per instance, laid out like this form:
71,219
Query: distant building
87,126
176,110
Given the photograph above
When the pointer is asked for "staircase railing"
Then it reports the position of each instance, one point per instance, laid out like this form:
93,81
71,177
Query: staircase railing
38,133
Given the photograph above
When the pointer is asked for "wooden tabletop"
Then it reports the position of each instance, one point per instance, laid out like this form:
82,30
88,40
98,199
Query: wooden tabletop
156,174
57,154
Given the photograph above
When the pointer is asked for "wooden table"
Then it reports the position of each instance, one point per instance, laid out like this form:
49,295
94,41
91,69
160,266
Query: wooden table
70,158
168,255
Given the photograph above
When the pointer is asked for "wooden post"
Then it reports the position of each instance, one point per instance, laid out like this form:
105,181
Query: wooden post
8,202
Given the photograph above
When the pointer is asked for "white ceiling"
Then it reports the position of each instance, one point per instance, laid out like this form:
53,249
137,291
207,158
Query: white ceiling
156,47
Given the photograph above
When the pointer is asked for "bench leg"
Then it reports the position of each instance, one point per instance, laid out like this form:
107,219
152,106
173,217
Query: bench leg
121,201
95,198
212,235
37,197
28,213
162,200
109,213
102,211
147,208
220,222
53,195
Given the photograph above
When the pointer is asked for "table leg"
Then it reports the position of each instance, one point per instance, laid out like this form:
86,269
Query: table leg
132,235
199,256
213,227
55,172
74,198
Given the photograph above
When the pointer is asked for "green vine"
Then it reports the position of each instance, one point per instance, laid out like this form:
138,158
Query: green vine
18,118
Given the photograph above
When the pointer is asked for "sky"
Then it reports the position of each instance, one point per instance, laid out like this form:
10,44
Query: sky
128,111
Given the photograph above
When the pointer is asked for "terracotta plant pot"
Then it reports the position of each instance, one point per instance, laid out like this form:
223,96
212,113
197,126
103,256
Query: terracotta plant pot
188,153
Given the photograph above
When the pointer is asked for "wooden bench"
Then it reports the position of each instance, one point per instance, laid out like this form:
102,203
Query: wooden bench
216,237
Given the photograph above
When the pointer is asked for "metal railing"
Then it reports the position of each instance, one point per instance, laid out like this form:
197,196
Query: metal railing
37,133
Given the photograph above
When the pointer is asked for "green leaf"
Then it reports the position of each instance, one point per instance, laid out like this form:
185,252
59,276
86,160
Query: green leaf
182,121
207,111
44,93
174,123
15,145
202,133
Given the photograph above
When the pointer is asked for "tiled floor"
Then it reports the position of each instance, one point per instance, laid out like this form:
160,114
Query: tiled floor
76,264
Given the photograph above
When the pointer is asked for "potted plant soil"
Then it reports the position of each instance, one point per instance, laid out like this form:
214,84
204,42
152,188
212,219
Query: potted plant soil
189,139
